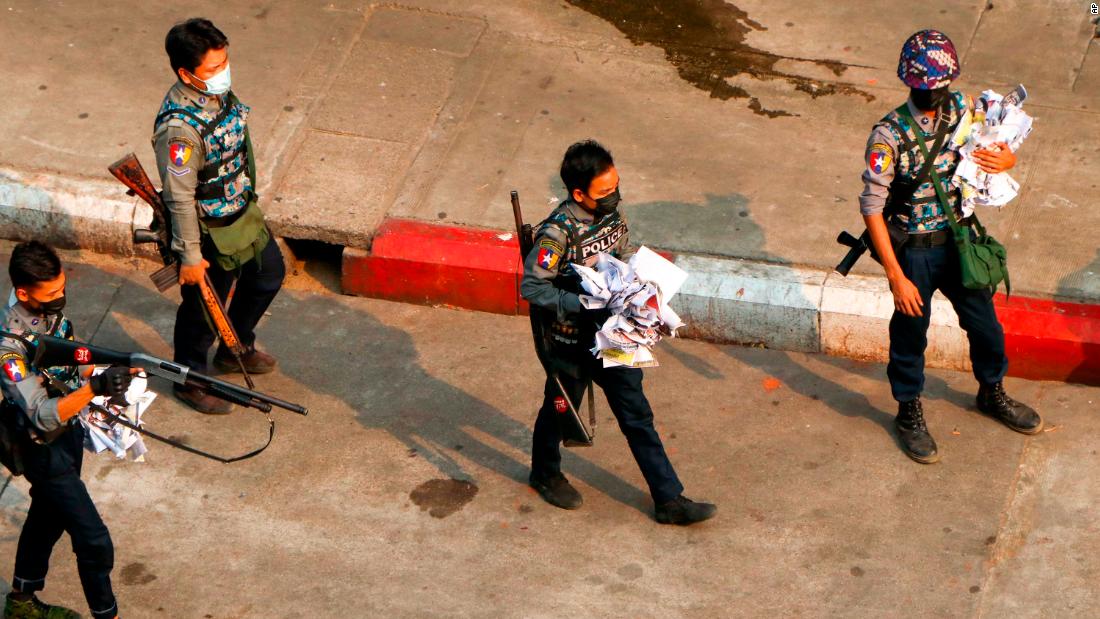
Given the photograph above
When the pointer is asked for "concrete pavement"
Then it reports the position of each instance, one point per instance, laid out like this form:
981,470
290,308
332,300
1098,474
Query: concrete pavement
354,510
739,128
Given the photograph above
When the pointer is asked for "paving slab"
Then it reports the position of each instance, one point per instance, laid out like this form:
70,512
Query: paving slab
1057,36
1040,565
319,199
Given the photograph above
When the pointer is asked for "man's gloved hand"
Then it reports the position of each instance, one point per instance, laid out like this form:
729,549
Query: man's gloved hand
112,382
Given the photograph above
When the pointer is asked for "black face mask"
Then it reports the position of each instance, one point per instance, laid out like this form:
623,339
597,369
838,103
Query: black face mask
52,308
607,204
928,100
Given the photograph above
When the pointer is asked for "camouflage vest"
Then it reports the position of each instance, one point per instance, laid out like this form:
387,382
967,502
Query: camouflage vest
226,181
585,241
67,375
923,209
63,328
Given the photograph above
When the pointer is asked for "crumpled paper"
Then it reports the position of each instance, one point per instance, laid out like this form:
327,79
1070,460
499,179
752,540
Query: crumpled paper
102,434
996,119
637,294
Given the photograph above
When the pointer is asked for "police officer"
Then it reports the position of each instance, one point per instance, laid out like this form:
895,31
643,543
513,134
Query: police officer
208,175
898,192
46,402
587,223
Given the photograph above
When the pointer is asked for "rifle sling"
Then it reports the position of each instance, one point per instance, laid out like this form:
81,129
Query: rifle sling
910,187
167,441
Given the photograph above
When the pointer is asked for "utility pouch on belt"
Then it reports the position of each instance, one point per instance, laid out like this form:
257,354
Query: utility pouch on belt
240,241
983,260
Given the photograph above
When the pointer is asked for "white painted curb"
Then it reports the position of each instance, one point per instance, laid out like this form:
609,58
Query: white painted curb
69,212
808,310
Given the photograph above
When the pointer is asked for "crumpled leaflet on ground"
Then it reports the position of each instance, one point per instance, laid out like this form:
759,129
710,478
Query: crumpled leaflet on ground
637,294
102,434
995,119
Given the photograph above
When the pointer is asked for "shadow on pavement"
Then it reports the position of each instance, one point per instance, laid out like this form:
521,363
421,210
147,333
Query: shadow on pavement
331,348
666,224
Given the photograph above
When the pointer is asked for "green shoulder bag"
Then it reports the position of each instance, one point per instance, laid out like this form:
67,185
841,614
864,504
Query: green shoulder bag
983,260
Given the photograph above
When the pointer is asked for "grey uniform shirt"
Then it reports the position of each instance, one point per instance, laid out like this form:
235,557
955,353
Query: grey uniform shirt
876,183
179,176
21,383
538,278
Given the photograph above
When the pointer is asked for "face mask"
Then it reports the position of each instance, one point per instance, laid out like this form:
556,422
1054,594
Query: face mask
52,308
607,204
217,84
927,100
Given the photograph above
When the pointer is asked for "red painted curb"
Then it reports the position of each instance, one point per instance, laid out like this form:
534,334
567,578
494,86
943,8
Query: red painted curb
429,264
472,268
1051,340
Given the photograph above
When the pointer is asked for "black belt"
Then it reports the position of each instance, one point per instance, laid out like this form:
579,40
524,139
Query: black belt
935,238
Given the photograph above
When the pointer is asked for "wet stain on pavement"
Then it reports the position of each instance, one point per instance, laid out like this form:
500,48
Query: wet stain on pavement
104,471
706,41
136,574
443,497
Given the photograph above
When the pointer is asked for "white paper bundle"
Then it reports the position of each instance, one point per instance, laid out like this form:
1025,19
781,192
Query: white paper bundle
996,119
103,434
637,294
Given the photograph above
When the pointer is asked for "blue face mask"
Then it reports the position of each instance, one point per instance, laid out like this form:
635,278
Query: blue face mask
217,84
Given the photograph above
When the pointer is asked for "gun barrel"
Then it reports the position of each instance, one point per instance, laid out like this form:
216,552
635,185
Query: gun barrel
52,351
517,213
254,396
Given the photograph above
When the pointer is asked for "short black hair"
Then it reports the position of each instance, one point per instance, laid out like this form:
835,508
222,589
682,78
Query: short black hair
187,42
33,262
583,162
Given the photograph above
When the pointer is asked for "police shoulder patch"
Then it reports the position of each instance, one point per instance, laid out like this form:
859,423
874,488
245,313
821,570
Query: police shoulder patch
550,252
880,157
15,366
548,243
179,151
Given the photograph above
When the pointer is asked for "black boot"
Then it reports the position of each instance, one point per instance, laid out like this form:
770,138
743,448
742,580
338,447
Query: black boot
684,511
993,401
916,442
557,491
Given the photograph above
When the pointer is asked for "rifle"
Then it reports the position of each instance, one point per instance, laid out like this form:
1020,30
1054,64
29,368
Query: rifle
859,246
129,171
52,351
48,351
577,435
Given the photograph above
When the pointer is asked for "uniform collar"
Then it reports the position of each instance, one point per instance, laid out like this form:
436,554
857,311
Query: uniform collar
926,124
20,316
187,95
578,212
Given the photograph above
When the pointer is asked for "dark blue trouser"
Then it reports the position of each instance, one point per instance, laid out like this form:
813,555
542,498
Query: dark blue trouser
623,389
931,269
257,286
60,504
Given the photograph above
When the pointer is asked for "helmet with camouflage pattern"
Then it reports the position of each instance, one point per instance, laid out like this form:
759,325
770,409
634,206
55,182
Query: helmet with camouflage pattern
928,61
